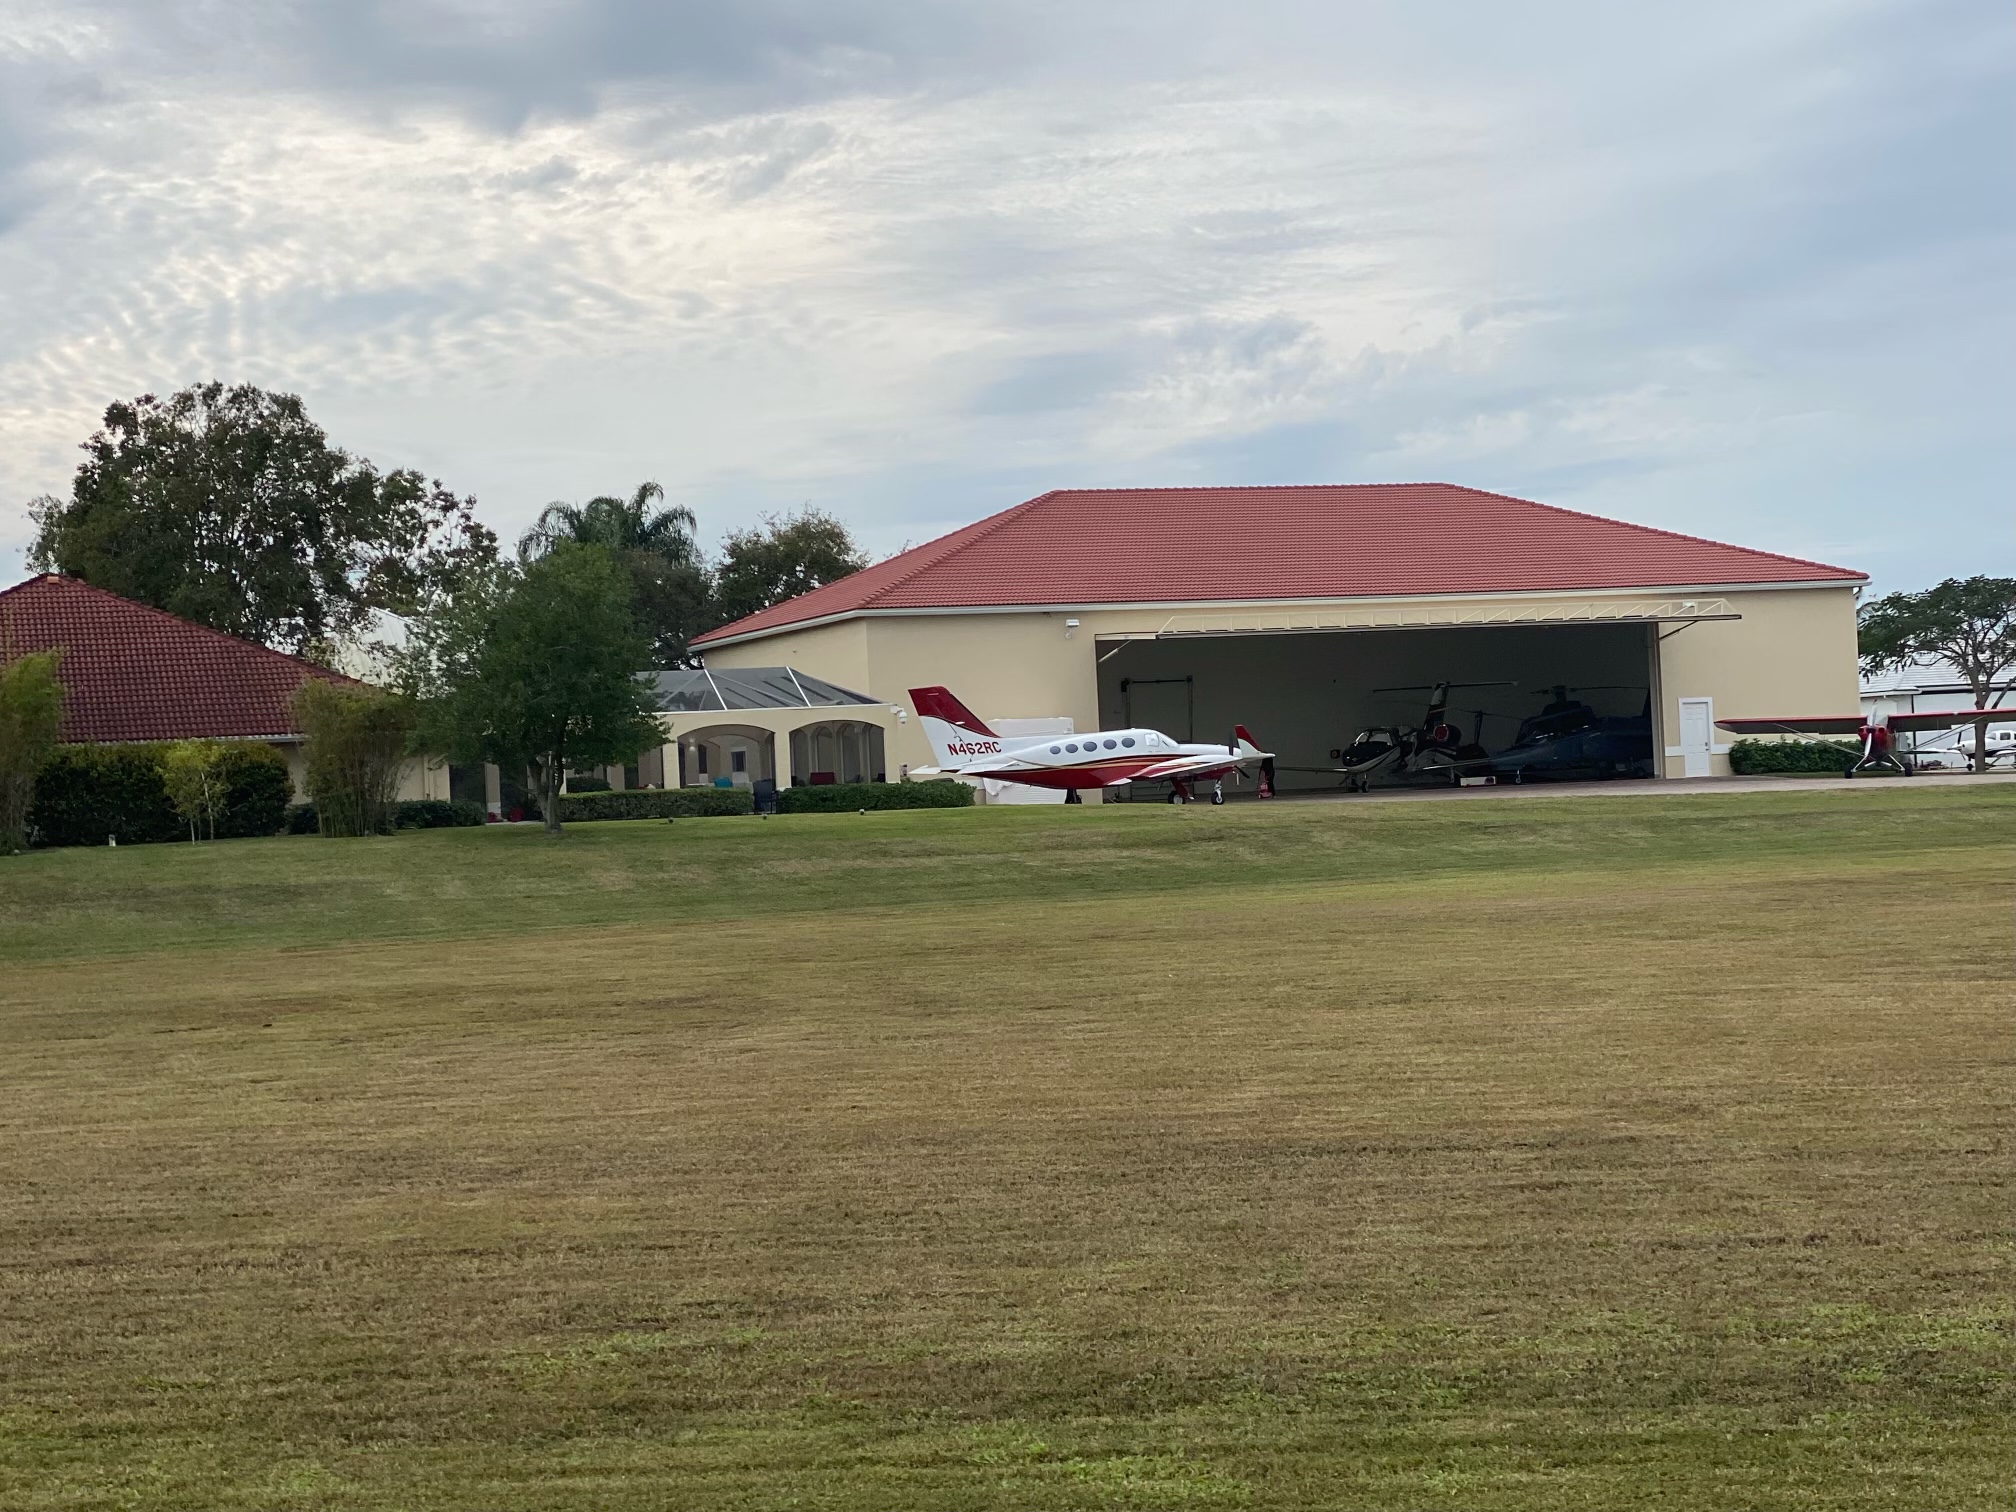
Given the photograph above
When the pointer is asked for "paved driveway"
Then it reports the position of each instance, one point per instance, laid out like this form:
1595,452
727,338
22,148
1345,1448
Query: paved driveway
1649,787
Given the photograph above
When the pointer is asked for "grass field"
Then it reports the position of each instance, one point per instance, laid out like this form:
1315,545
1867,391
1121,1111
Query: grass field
1601,1154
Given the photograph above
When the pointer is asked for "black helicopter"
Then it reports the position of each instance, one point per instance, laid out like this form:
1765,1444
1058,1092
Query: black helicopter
1433,750
1568,738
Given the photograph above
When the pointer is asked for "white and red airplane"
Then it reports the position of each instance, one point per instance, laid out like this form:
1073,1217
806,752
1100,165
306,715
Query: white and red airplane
1876,732
965,747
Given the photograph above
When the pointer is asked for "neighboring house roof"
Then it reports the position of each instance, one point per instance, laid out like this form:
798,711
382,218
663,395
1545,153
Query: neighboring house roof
134,673
749,688
1090,546
1926,674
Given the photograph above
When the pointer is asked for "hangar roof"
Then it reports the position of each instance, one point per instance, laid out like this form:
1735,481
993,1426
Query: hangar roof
1083,546
134,673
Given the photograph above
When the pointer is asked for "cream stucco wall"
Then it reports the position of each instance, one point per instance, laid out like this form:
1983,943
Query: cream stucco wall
1792,651
422,777
838,653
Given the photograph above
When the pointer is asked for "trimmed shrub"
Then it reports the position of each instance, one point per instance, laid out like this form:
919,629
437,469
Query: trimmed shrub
1754,757
301,819
656,803
257,790
436,813
31,714
851,797
589,785
85,793
355,741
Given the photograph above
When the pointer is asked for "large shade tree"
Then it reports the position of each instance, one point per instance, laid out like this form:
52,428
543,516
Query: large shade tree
785,557
1968,623
536,667
654,543
229,506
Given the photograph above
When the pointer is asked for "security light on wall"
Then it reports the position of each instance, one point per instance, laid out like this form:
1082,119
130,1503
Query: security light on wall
902,714
1069,626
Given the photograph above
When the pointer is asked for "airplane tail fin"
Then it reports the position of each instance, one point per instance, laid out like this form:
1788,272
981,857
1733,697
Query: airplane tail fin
1245,744
957,735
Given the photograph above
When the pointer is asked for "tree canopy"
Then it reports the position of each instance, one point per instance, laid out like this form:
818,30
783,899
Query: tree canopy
537,666
31,710
229,506
787,556
668,576
1969,623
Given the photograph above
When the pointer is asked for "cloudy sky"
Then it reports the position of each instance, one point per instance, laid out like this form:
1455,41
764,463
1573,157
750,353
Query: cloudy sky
1746,270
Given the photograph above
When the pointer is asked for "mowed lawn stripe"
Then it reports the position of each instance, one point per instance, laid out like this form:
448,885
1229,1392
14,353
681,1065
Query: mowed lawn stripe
1680,1187
465,884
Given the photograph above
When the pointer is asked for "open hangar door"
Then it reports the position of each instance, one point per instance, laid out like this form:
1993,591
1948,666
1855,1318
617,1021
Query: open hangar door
1307,693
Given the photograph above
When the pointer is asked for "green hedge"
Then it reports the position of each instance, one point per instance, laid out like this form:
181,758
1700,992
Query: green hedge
83,794
851,797
437,813
655,803
413,813
1755,757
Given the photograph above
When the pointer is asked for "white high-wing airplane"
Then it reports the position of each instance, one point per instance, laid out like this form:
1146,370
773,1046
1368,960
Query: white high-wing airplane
965,747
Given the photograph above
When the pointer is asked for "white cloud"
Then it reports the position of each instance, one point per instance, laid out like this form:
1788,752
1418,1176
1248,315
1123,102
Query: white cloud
1692,275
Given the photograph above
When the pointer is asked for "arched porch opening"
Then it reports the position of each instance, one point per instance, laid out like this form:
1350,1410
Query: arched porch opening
838,750
742,754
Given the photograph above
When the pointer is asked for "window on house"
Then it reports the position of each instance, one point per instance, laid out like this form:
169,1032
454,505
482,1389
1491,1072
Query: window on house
738,761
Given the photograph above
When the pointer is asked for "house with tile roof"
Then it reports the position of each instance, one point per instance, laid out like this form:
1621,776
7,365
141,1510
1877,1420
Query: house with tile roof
1310,613
135,673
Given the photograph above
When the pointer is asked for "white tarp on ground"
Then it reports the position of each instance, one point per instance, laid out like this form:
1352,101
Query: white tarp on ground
1021,792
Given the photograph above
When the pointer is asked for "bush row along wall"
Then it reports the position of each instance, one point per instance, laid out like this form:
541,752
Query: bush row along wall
851,797
413,813
1752,757
85,795
655,803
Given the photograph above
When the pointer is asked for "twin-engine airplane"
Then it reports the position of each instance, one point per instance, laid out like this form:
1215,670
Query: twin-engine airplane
1879,746
965,747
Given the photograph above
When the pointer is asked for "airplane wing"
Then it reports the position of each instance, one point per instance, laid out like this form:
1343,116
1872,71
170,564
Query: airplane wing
1851,724
1185,766
1816,724
1947,719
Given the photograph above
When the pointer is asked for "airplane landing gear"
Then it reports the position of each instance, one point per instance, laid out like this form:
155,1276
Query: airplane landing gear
1217,792
1178,792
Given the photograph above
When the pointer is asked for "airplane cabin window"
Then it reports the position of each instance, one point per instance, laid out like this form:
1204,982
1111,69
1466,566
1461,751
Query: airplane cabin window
1071,748
1127,740
1056,750
1109,745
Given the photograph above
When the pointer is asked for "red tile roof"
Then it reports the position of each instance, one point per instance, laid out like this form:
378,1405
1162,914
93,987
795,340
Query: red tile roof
134,673
1084,546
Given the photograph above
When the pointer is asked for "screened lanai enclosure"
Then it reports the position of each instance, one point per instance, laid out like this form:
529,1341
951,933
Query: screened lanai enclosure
751,726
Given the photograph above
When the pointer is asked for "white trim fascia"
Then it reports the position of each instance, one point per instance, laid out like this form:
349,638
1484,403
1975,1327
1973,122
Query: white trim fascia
1175,606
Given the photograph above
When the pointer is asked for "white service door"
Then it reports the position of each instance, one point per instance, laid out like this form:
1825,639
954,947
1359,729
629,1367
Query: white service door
1697,735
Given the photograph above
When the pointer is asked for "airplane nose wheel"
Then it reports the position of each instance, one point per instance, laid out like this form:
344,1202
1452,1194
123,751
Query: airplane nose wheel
1217,792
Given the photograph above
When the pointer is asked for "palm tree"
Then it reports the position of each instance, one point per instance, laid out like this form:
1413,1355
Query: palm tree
667,572
623,525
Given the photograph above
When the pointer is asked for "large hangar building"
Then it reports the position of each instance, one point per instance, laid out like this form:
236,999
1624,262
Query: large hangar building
1287,609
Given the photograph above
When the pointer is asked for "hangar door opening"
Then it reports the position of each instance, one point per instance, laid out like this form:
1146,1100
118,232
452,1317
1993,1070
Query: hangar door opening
1307,694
